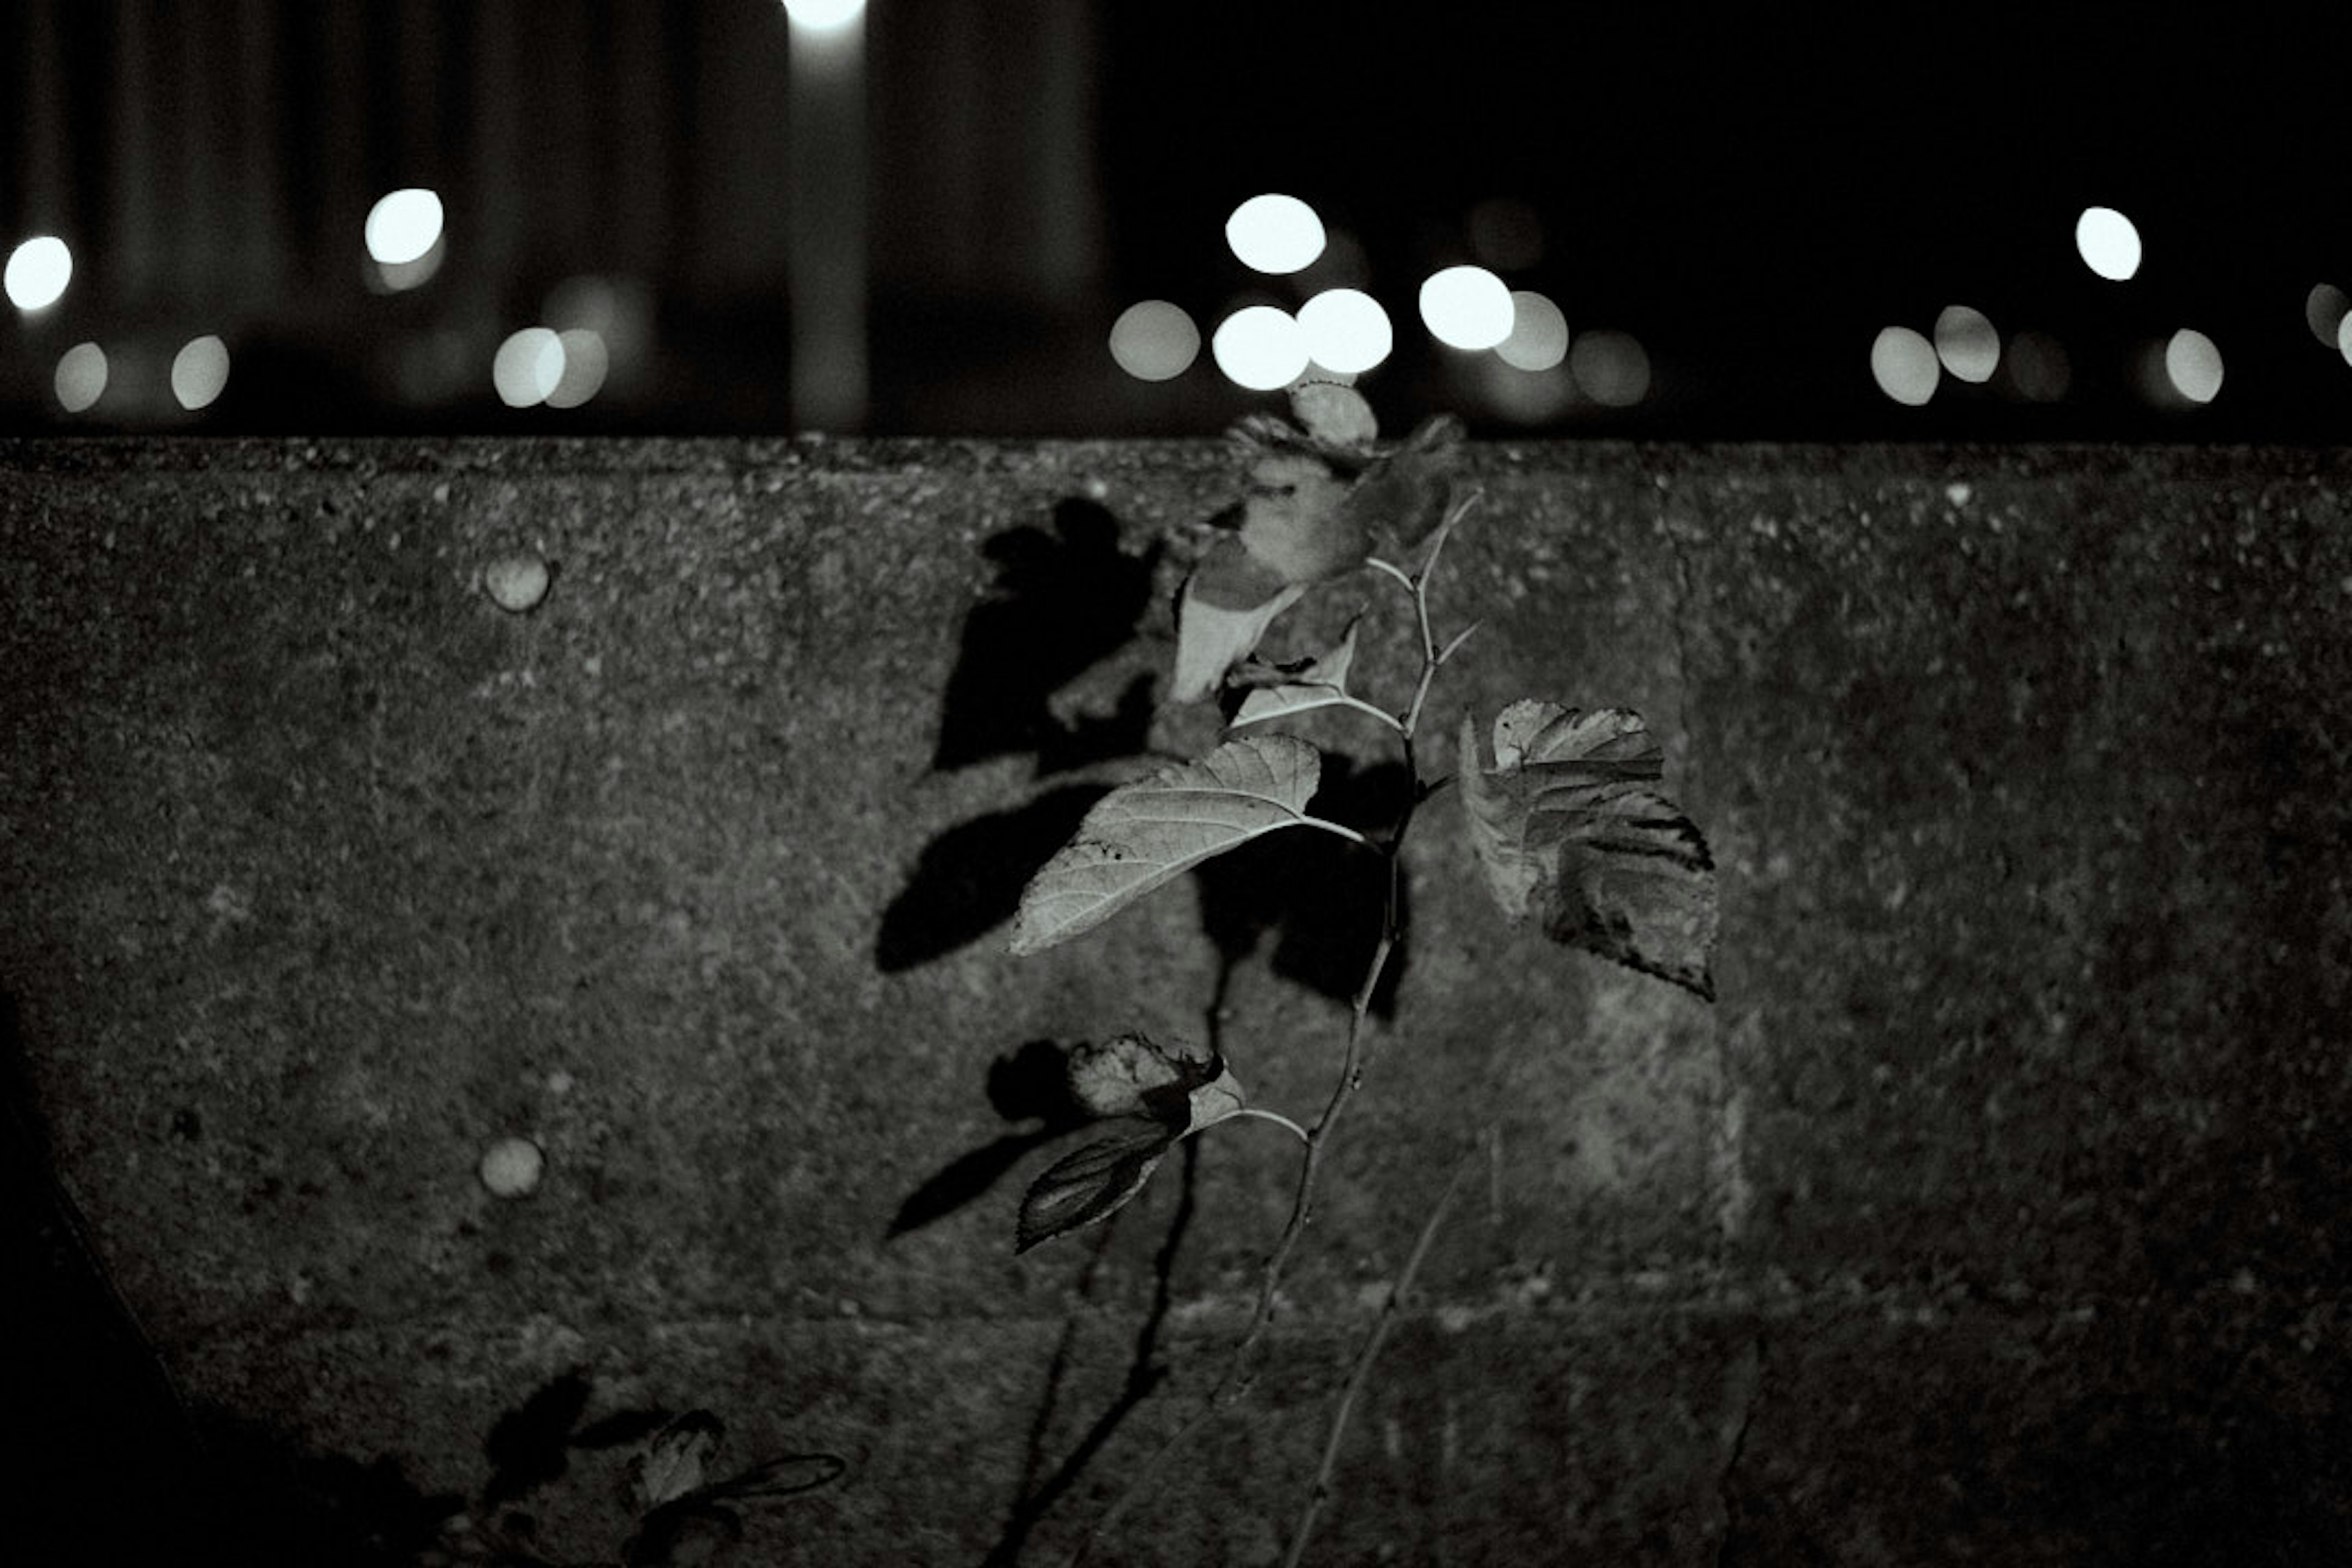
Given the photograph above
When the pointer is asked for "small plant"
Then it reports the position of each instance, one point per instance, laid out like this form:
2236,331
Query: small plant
1567,825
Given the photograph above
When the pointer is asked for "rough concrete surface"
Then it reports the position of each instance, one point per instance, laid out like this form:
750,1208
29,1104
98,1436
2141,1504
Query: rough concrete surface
1995,1212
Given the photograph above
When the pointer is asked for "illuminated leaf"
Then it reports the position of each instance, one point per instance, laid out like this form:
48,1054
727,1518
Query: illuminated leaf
1146,833
1222,614
1570,833
1334,414
1318,682
1111,1078
1293,522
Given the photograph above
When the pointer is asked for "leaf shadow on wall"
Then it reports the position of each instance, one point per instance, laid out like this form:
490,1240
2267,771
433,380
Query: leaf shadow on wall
1317,897
1031,1085
1064,600
1066,597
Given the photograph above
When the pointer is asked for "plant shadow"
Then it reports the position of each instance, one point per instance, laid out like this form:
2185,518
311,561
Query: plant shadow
1031,1085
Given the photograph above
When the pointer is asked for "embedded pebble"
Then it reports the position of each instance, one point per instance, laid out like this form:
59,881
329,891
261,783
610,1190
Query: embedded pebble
511,1167
516,582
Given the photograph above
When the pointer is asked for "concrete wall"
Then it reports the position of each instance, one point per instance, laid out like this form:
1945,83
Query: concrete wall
1997,1210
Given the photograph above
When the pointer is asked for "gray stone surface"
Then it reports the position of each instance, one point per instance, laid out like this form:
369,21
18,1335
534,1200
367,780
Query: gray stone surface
1996,1211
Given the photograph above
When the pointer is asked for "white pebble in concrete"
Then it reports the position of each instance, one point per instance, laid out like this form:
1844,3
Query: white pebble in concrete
511,1167
516,582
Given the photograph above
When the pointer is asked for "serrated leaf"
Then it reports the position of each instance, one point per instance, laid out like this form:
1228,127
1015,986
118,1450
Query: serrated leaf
1146,833
678,1458
1321,682
1569,832
1222,614
1405,494
1095,1182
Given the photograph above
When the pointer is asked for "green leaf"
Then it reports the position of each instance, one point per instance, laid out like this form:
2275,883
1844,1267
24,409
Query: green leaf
1146,833
1222,613
1318,683
1095,1182
1569,832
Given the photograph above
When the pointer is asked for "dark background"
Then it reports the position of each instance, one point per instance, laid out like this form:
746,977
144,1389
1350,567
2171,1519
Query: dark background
1751,197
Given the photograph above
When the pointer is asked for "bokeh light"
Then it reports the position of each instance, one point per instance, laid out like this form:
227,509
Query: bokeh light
199,371
823,16
39,271
81,377
2108,242
1967,344
1260,347
1904,364
1346,330
1154,341
1274,234
402,226
2039,367
581,376
2193,364
1466,308
529,366
2344,339
1610,367
1538,338
2324,310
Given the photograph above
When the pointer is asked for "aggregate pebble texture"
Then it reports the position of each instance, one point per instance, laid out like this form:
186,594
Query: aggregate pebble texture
504,942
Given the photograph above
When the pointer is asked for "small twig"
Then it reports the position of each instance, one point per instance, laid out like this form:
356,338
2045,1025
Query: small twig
1360,1373
1351,834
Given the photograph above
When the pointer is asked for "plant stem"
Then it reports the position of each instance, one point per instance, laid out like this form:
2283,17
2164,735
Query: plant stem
1275,1117
1235,1380
1320,1492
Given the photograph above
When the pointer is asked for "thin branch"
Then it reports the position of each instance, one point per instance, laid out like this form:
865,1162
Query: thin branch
1320,1492
1399,572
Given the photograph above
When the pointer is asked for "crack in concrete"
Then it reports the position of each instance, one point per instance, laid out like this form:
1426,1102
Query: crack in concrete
1751,1377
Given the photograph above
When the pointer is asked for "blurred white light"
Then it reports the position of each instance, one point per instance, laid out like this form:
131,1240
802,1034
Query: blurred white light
2344,339
1261,348
1274,234
529,366
823,16
1905,367
199,371
1538,339
1967,343
2193,364
581,374
1346,330
1154,341
1466,308
2038,367
2324,310
1610,368
38,273
82,376
402,226
2108,242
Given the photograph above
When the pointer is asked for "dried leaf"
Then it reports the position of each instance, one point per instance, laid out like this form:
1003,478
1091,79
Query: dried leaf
1318,683
1111,1078
678,1458
1094,1183
1293,522
1569,832
1146,833
1405,494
